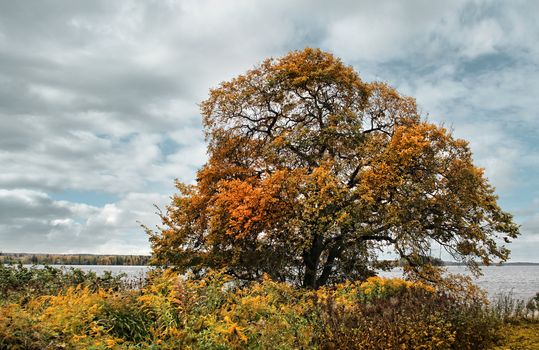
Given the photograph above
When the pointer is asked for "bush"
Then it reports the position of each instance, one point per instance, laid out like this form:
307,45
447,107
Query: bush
20,283
396,314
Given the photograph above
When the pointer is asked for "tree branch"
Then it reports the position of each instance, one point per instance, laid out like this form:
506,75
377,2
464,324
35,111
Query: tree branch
352,181
378,238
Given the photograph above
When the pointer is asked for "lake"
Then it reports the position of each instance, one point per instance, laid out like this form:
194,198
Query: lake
520,280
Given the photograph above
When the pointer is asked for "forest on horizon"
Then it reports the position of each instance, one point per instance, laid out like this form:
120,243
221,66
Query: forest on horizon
73,259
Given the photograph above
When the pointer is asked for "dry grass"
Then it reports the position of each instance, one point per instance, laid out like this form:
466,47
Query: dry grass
520,336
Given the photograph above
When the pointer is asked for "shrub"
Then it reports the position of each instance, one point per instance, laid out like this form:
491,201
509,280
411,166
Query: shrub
19,283
394,314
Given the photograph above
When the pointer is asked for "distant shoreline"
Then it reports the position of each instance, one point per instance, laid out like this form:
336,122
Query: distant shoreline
132,260
518,263
74,259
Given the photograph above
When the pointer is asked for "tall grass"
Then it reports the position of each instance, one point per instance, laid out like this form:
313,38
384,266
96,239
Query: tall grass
508,308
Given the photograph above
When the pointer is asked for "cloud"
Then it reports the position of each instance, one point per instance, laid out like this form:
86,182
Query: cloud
106,83
119,223
33,222
20,204
30,220
383,31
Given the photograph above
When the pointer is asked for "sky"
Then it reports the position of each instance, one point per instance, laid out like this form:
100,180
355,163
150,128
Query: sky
99,99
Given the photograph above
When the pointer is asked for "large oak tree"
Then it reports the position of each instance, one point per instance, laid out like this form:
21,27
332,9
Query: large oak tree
312,172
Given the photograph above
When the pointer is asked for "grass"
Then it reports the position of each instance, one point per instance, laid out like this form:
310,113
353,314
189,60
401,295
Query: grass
522,335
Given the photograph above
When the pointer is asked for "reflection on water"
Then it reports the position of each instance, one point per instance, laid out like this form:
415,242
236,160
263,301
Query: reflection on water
521,280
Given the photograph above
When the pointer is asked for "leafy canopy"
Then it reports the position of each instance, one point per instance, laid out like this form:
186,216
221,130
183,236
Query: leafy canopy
312,171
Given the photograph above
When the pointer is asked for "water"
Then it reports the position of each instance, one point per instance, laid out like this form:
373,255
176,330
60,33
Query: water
132,272
520,280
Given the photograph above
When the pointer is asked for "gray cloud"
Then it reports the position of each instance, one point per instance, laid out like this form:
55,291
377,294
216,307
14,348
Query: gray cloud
102,96
30,221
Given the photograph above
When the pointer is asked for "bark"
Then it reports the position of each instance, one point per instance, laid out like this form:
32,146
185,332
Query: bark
311,259
334,253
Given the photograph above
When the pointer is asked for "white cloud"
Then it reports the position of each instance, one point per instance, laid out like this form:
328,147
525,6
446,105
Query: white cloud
381,31
482,38
33,222
121,223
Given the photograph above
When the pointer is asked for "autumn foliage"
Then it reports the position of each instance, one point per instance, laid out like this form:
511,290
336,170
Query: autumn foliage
312,171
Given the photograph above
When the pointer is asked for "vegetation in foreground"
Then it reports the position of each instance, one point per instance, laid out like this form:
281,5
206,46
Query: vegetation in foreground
76,310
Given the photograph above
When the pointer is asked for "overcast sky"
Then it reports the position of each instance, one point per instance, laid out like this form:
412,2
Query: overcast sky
99,115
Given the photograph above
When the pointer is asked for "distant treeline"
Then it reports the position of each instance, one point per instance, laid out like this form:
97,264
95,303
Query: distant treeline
73,259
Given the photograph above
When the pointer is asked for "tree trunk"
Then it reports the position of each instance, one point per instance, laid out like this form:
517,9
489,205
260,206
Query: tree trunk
328,266
311,259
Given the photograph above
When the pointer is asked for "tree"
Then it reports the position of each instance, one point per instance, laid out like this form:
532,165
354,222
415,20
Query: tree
312,171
